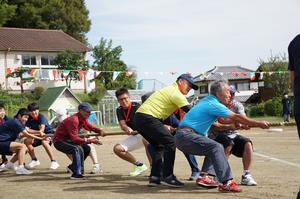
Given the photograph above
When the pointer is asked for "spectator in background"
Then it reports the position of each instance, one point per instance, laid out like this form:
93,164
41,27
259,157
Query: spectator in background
294,68
286,110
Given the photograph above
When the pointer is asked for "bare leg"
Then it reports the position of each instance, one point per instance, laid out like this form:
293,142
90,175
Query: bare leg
48,149
20,150
93,154
28,142
125,155
227,151
247,156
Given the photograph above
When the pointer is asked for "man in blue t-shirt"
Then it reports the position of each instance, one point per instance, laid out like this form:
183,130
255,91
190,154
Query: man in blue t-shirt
38,122
294,68
191,137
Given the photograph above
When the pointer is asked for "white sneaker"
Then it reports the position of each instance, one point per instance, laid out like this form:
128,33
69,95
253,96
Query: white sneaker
34,163
96,169
248,180
10,166
54,165
22,171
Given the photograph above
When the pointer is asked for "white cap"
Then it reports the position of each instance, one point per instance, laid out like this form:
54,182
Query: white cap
61,114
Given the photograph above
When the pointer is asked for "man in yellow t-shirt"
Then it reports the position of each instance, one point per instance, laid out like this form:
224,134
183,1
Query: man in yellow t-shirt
149,123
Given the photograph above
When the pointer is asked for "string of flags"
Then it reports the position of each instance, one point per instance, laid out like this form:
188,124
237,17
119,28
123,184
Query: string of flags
58,74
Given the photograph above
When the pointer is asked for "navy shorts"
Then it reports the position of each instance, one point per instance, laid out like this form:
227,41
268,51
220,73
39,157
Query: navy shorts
38,142
238,143
4,148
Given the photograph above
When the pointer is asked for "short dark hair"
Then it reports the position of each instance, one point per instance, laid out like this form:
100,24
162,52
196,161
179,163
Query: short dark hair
22,112
33,106
121,91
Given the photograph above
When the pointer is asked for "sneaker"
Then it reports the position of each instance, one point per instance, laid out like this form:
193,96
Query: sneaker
96,169
138,170
194,176
70,169
77,177
172,181
54,165
207,182
22,171
248,180
10,166
34,163
154,181
230,186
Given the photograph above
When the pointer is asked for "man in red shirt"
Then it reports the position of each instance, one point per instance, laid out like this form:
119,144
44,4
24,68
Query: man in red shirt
67,140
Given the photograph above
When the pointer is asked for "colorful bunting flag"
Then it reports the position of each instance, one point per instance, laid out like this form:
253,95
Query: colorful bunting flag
115,75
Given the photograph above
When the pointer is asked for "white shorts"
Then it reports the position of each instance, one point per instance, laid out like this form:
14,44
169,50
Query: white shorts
133,142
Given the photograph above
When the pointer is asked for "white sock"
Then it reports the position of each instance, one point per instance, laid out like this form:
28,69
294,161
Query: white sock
21,166
246,172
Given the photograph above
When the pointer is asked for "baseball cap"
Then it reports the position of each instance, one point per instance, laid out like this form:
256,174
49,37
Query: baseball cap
85,106
232,89
190,79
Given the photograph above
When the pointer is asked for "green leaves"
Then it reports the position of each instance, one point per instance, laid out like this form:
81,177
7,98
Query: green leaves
108,58
278,80
70,16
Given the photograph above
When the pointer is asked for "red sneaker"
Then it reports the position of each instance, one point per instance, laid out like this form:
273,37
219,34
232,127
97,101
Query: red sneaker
230,186
206,182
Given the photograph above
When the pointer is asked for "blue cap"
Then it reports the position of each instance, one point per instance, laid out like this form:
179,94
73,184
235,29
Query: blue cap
232,89
190,79
85,106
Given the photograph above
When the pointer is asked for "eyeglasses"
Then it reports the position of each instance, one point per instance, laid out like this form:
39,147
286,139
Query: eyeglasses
123,98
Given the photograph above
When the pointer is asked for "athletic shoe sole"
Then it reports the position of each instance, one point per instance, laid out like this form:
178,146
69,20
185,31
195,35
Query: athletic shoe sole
171,185
207,186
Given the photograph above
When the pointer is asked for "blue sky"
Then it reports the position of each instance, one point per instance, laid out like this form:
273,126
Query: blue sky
163,36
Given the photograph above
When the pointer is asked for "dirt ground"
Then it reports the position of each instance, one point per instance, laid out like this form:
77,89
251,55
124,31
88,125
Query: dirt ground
276,168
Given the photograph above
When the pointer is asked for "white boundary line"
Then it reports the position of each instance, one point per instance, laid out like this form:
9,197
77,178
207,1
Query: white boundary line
276,159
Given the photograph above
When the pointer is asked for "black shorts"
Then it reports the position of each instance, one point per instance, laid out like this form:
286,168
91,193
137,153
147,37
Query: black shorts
37,142
238,143
5,148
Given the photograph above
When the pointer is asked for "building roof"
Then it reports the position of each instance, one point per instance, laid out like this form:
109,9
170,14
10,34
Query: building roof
225,72
20,39
50,96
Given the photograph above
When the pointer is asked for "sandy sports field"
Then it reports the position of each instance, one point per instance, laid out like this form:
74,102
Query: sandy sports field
276,168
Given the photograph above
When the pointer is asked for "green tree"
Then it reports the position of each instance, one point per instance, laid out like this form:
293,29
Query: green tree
71,62
6,11
20,73
279,79
70,16
108,58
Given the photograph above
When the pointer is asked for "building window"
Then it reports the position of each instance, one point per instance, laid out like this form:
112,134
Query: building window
47,60
243,86
28,60
203,89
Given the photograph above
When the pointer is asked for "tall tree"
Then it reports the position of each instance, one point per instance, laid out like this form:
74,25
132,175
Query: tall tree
276,75
70,16
6,11
72,63
108,58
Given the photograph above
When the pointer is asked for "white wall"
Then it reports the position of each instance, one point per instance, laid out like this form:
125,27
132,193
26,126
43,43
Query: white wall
13,62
